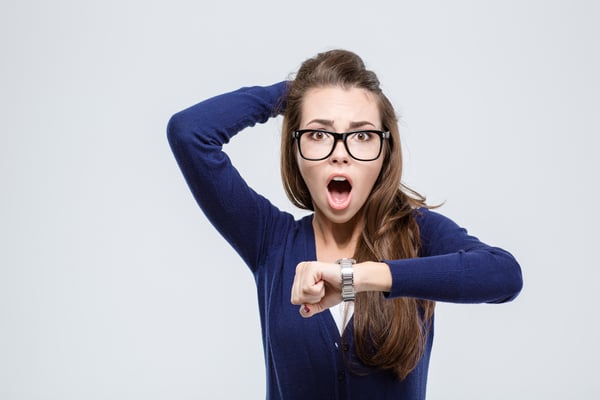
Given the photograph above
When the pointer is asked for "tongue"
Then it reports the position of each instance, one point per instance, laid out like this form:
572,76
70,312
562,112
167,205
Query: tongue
339,193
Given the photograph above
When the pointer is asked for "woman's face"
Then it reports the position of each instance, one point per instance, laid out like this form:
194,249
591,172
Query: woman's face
339,185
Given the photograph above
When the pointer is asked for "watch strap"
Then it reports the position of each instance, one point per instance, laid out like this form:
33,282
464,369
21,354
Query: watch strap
347,272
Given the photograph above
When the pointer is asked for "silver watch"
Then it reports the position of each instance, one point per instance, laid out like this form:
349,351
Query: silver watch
347,278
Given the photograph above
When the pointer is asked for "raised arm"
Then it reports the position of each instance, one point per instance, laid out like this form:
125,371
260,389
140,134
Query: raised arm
196,136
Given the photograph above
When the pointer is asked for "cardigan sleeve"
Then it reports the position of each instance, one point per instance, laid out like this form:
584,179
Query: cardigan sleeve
455,267
196,136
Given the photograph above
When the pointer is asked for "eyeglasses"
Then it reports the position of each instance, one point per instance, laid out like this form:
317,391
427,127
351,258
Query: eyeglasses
316,145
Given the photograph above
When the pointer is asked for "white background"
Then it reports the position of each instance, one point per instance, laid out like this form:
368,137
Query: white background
114,286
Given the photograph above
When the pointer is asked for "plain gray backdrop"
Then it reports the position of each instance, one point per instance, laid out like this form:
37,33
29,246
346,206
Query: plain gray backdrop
114,286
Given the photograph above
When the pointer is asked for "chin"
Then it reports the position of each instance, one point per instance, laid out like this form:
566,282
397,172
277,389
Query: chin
341,217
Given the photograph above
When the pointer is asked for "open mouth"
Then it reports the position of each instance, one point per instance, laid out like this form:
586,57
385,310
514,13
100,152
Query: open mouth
339,189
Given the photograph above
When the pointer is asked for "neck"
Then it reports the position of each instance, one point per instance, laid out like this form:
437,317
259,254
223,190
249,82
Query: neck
335,240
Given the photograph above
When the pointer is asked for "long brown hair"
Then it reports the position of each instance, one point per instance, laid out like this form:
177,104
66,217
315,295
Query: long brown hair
389,334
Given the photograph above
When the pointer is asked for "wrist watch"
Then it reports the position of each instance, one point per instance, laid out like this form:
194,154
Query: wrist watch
347,278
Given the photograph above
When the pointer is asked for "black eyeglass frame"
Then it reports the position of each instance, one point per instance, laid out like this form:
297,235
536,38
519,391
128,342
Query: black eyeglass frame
383,135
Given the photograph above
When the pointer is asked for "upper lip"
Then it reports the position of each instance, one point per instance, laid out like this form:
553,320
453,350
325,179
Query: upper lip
339,175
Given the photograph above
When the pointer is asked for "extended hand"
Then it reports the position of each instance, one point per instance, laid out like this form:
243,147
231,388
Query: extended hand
317,287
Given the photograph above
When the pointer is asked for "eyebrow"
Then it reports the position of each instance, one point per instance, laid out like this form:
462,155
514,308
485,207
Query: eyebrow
329,123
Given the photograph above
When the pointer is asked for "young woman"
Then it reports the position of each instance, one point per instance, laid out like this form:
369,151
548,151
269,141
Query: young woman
364,269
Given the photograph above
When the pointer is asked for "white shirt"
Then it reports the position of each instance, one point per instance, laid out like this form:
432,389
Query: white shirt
338,313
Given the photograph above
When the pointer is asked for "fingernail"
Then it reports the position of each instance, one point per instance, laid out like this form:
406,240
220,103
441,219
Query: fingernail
306,309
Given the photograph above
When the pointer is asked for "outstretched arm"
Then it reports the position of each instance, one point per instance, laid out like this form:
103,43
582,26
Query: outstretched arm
454,267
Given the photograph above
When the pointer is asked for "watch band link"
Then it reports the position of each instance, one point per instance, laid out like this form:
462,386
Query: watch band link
347,271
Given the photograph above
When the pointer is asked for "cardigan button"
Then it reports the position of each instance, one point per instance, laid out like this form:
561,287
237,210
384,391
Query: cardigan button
342,376
346,347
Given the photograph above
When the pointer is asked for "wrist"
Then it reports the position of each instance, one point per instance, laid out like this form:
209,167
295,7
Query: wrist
372,276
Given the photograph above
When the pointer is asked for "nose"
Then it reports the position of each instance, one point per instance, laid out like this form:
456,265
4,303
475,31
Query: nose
340,154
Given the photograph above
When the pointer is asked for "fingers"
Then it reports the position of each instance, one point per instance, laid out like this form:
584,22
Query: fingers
332,297
311,289
308,310
308,288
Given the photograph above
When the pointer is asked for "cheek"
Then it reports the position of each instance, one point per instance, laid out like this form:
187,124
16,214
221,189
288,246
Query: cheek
301,167
375,172
370,179
307,172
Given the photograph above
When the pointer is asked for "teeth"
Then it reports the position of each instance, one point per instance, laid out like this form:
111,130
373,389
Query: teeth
339,178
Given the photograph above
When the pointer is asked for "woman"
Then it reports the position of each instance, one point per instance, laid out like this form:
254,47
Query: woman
364,269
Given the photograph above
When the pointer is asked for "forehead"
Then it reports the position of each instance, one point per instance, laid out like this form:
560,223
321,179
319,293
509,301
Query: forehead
340,106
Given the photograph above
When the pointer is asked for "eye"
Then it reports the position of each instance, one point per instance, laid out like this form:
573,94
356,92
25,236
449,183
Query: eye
363,136
318,136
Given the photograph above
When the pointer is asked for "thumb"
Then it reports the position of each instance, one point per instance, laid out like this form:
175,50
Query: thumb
328,301
309,310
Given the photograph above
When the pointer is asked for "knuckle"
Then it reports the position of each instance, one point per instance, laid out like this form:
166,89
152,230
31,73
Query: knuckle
295,299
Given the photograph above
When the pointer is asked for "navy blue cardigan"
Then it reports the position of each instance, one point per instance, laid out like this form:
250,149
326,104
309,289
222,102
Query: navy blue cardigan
305,358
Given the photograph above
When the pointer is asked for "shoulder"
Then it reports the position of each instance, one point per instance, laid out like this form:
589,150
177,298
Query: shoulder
440,234
431,221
